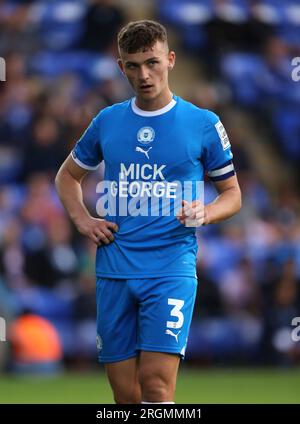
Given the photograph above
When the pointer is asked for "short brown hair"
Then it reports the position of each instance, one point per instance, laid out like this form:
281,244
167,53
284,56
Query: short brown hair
138,35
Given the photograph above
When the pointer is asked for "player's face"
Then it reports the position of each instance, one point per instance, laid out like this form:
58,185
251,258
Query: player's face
147,71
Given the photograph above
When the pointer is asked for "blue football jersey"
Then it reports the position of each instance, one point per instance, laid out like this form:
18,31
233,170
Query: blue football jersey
153,160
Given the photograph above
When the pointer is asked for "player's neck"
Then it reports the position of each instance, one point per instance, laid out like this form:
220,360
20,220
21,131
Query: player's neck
154,104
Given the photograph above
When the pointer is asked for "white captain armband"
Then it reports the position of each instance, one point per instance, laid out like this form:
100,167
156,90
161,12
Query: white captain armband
222,172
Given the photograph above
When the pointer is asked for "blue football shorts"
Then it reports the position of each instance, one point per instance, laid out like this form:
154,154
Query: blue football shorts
149,314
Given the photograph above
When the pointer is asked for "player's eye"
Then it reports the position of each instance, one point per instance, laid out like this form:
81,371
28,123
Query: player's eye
130,66
152,62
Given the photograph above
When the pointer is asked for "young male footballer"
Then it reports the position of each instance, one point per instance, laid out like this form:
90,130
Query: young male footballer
156,147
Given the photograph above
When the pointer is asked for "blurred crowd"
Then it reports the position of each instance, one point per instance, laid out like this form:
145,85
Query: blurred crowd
61,70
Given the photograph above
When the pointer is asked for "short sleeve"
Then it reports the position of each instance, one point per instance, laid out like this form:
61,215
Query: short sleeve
216,149
87,151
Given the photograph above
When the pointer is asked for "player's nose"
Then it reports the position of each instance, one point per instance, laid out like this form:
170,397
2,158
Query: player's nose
143,74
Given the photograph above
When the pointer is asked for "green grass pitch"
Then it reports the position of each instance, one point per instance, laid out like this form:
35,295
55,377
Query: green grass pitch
193,386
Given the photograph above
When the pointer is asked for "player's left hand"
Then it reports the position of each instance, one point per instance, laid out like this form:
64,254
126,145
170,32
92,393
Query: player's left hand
191,214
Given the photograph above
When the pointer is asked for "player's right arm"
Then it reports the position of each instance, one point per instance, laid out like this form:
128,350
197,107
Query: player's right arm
68,185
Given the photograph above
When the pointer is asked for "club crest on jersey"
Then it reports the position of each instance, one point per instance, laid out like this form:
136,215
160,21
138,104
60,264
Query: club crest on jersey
146,135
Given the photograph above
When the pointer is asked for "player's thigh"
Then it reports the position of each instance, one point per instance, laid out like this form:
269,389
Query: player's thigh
166,309
159,368
116,321
123,377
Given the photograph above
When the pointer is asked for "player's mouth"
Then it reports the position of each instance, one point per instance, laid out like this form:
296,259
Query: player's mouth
146,87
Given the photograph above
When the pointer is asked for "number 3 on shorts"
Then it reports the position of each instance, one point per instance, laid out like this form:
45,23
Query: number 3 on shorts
176,312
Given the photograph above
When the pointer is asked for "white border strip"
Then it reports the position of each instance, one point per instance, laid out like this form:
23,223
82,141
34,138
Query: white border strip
148,113
221,171
83,165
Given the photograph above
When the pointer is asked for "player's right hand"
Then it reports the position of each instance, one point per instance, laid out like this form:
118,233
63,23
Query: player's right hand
98,230
191,214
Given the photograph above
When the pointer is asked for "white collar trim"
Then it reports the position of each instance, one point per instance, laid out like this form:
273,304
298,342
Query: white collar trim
157,112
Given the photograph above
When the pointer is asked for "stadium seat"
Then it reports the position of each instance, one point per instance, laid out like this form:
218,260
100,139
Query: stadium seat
59,22
241,70
286,121
89,66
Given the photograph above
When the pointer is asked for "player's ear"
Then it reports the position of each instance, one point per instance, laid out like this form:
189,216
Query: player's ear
121,66
172,59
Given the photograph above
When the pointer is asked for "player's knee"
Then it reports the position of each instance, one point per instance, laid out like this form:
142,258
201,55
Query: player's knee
127,396
122,399
154,387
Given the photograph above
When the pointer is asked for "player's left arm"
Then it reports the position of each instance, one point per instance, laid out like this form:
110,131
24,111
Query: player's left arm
216,158
227,203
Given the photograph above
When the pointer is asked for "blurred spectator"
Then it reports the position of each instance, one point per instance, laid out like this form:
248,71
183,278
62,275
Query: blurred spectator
240,292
46,150
101,24
55,260
12,255
283,304
234,27
84,314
